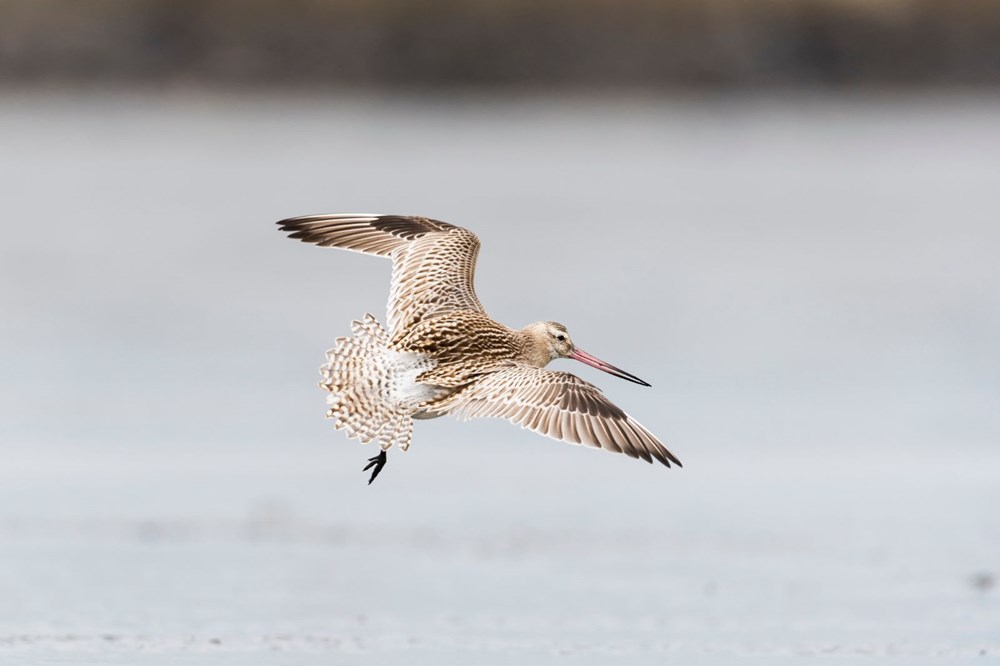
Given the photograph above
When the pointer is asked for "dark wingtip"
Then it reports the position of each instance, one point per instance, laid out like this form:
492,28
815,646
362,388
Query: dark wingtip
666,458
289,224
295,229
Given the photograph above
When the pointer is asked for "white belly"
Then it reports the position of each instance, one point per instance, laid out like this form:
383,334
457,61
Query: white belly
405,392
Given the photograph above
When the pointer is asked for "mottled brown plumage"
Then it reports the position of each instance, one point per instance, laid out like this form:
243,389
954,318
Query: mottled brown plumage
443,354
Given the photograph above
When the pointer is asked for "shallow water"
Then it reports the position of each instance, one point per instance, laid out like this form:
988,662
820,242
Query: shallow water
810,286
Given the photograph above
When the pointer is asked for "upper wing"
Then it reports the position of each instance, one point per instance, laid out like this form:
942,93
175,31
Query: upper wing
558,405
433,263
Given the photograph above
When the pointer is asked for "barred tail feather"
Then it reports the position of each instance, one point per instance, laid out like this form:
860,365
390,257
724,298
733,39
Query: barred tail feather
358,374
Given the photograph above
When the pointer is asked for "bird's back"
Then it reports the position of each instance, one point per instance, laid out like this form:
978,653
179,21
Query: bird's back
463,345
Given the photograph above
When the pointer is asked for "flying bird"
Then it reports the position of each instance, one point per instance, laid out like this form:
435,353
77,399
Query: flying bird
442,354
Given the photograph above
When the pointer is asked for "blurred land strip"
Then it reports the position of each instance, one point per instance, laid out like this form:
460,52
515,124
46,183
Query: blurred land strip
656,44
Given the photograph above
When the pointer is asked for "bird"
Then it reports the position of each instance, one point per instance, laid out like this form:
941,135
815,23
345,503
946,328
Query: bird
440,353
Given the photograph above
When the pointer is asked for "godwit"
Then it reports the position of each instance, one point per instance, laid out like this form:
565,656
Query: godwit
444,355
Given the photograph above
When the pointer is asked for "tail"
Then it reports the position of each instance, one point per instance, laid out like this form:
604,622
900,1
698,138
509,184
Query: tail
358,374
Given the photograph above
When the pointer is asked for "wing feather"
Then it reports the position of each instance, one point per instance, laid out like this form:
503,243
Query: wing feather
433,262
558,405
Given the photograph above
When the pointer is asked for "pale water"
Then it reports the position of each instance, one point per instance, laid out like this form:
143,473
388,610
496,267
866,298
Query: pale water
811,286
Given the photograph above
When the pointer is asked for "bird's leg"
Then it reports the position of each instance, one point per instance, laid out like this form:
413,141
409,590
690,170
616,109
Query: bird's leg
378,462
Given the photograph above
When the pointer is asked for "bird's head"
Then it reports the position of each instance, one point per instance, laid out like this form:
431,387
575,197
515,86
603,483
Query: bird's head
550,340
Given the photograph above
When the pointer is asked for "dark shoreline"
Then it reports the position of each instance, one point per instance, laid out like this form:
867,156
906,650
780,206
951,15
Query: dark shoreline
515,44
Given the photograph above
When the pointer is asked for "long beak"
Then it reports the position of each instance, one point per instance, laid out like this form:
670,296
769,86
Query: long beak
593,361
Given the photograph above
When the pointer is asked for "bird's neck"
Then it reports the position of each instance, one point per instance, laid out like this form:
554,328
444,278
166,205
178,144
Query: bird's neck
534,349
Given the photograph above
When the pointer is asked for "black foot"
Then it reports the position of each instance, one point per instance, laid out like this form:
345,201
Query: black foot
378,462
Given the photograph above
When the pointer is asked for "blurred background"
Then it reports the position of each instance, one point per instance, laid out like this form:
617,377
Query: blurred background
782,214
564,44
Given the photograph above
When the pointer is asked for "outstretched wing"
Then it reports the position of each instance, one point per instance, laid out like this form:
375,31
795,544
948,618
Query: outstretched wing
558,405
433,263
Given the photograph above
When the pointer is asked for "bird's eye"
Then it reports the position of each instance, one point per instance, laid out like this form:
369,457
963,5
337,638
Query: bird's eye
561,337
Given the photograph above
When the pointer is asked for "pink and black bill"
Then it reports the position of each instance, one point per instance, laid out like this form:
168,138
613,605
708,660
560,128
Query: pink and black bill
593,361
